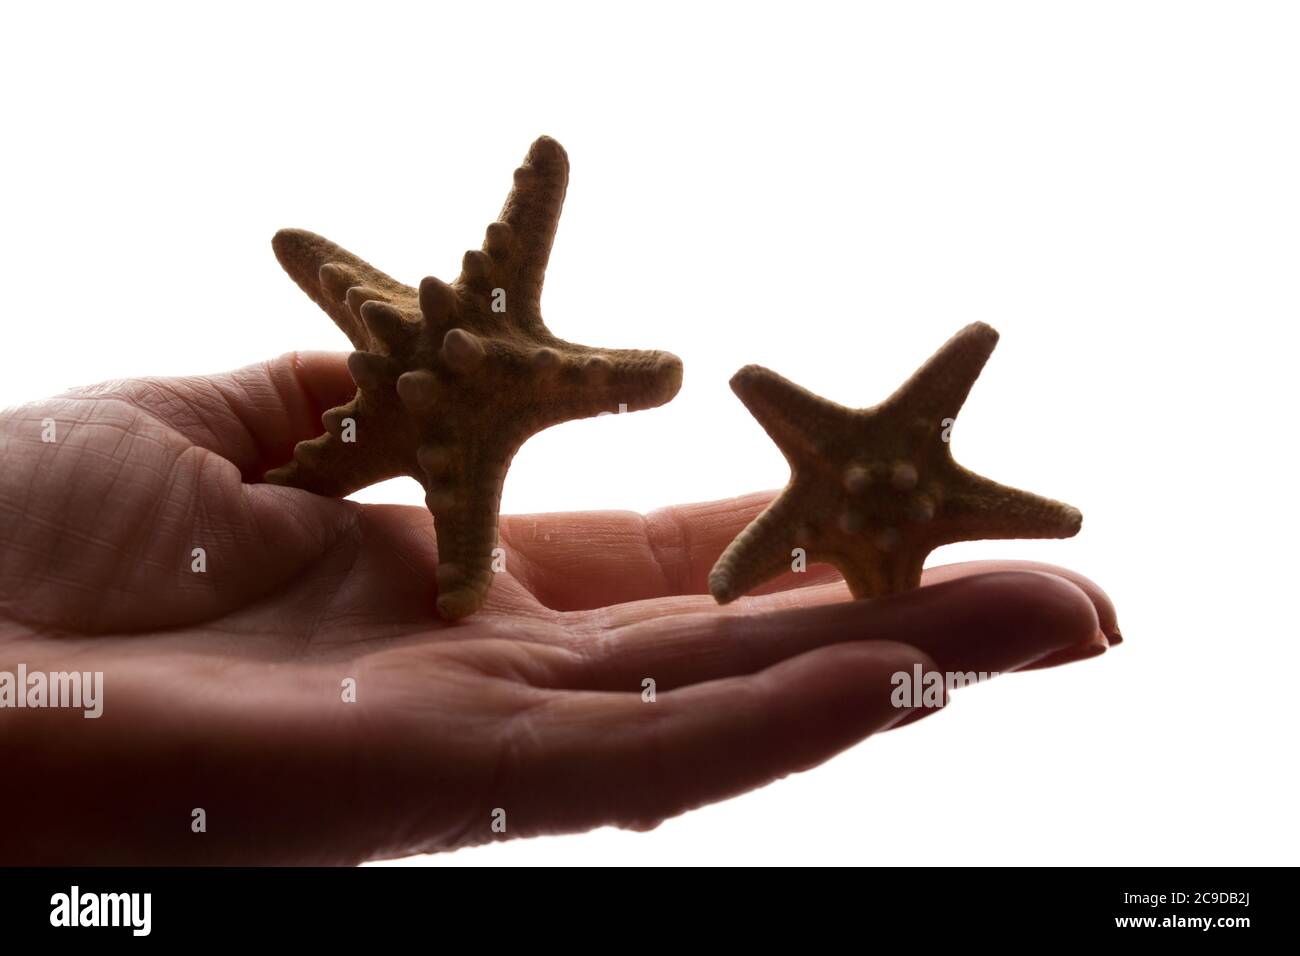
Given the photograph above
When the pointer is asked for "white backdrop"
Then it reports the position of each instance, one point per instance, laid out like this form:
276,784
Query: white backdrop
827,190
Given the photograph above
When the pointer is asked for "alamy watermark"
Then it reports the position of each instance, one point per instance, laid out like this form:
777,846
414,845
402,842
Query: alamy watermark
75,908
82,690
922,688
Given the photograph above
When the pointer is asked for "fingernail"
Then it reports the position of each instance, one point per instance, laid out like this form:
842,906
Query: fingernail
1095,649
1071,655
1115,638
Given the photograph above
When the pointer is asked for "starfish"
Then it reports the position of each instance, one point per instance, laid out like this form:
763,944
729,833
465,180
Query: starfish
453,378
872,491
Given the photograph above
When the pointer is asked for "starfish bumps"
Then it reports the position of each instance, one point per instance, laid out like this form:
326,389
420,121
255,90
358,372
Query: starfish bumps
873,491
453,378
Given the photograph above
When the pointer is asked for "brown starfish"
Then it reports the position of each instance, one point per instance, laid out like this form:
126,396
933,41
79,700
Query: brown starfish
453,379
872,491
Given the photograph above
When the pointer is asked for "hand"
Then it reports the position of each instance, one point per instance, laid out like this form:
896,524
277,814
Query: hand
224,688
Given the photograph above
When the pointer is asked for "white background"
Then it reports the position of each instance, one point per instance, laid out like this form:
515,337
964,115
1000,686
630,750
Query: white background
828,190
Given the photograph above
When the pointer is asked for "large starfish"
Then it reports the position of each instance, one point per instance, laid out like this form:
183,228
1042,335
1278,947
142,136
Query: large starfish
452,379
873,491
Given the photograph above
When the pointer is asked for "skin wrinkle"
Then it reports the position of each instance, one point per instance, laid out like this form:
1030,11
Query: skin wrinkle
528,751
510,666
85,538
328,543
654,526
258,600
432,628
203,534
509,757
94,453
214,424
133,547
175,396
348,516
325,652
255,451
295,402
400,555
304,391
358,758
180,398
704,629
587,657
533,587
180,395
62,530
362,532
516,554
354,536
641,610
537,587
653,765
652,532
44,456
253,519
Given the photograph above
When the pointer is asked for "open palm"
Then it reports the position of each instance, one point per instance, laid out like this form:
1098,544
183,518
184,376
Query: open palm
273,658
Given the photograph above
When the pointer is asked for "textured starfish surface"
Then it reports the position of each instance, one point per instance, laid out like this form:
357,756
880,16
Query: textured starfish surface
453,378
872,491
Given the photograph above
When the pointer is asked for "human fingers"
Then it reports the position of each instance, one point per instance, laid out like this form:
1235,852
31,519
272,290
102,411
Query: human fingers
990,622
251,416
586,759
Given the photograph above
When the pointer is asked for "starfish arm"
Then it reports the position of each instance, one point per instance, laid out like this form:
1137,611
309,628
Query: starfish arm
329,466
938,389
869,573
975,508
760,552
518,245
358,447
793,417
584,382
465,510
642,378
328,273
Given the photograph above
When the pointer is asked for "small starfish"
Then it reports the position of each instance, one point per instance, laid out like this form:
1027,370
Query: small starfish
872,491
453,379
